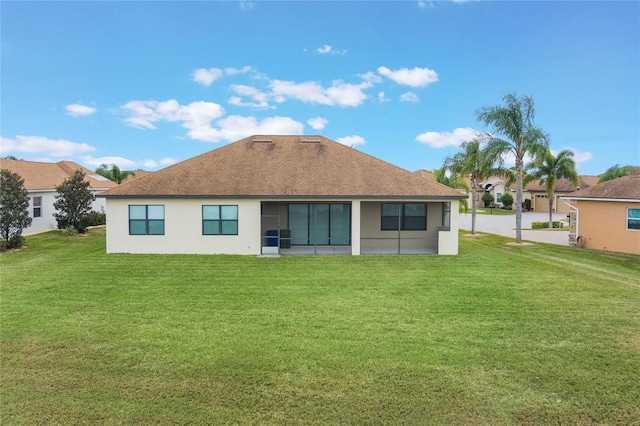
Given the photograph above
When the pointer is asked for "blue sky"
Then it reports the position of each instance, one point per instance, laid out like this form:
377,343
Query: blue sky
146,84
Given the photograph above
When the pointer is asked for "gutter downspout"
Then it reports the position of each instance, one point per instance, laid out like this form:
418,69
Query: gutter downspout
577,216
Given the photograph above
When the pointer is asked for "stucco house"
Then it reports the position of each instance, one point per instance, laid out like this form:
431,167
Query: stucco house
606,216
282,195
540,199
40,180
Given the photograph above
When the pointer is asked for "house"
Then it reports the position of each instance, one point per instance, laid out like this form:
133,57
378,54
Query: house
606,216
540,199
40,180
282,194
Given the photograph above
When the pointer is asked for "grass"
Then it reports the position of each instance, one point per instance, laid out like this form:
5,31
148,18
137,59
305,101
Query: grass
496,335
486,210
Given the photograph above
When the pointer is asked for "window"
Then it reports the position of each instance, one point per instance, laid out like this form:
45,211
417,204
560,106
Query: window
498,197
410,216
146,220
219,220
37,206
446,215
633,219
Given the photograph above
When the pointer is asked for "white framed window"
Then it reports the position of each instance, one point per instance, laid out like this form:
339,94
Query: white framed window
37,206
498,197
633,219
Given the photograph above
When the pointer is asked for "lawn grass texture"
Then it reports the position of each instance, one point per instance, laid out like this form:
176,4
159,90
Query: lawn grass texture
499,334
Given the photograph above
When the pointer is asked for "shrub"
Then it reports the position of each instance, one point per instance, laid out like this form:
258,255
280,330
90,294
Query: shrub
544,225
96,218
527,204
507,200
487,199
69,231
73,202
14,209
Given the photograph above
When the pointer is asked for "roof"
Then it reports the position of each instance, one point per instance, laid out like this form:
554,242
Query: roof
564,185
46,176
283,166
626,187
136,174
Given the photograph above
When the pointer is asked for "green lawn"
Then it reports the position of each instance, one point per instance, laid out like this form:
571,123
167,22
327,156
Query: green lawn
496,335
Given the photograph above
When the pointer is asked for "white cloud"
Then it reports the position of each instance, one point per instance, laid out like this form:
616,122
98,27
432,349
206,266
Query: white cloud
353,140
371,77
578,156
152,164
416,77
246,5
447,139
121,162
382,97
318,123
206,76
260,99
509,159
409,97
342,94
243,70
196,116
39,144
423,4
329,50
237,127
77,110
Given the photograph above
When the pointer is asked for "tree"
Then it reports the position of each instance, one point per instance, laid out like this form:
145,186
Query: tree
452,182
513,122
14,208
615,172
73,202
507,200
474,164
113,173
547,169
487,199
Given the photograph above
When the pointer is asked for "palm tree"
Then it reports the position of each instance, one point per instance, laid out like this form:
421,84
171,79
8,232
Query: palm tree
513,122
615,171
473,163
454,182
547,169
114,173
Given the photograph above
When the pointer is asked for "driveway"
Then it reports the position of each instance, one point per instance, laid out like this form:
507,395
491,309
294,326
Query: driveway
506,226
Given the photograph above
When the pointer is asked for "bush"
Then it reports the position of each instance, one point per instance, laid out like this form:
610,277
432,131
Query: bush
527,204
487,199
69,231
96,218
507,201
544,225
14,242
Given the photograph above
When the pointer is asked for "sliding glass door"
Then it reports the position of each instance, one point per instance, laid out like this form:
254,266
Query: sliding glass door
320,223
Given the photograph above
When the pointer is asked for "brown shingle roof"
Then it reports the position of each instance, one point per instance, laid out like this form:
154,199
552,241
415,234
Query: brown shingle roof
627,187
564,185
46,176
288,166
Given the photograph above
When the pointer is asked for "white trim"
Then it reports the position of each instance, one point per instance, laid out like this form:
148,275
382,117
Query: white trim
577,216
617,200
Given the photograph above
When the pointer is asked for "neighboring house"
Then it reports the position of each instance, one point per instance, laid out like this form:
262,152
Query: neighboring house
282,194
496,187
606,216
40,180
540,199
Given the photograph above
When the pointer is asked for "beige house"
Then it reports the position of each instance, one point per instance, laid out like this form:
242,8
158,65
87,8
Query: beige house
606,216
540,199
282,195
40,180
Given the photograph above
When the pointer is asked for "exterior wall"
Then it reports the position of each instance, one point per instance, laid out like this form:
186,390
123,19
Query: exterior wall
183,228
46,221
448,239
603,226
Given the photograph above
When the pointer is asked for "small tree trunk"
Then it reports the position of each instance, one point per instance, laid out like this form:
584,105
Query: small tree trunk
551,211
473,208
518,199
